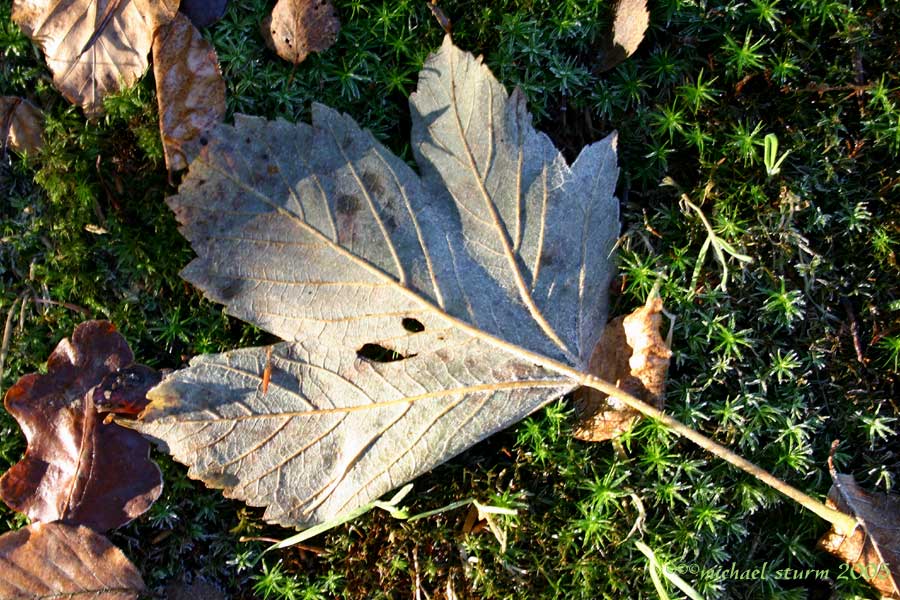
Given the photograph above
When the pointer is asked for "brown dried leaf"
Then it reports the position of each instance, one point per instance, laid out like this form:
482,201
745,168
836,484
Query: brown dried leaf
21,125
297,27
873,548
189,88
55,560
93,47
633,353
630,21
76,468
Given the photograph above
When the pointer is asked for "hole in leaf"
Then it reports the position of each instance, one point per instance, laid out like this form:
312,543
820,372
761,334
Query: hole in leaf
413,325
378,353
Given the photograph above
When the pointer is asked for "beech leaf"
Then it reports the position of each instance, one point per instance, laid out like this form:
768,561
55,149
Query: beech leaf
189,89
56,560
21,125
93,47
632,353
421,312
873,547
297,27
77,468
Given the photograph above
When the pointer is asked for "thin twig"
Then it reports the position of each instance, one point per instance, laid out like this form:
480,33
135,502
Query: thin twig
829,514
7,335
854,330
68,305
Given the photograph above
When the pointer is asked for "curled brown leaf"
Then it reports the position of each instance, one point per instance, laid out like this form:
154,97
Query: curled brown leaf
21,125
297,27
632,352
873,547
77,468
55,560
189,88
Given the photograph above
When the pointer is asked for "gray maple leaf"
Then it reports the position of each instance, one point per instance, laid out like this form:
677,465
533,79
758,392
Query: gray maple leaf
484,278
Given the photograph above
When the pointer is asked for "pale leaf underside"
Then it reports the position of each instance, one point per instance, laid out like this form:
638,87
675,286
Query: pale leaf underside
486,274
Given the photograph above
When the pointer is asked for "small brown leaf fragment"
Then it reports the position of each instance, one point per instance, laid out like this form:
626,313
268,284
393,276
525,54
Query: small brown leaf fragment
873,548
632,353
93,47
55,560
189,88
21,125
124,392
76,468
297,27
630,21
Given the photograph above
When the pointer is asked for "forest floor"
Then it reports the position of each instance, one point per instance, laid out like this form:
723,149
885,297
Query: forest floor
775,357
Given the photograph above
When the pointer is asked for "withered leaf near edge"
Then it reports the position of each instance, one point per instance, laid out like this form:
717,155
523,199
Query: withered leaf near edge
21,124
632,353
630,21
56,560
873,548
76,468
297,27
189,89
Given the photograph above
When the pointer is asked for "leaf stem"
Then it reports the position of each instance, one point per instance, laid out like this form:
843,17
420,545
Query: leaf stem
835,517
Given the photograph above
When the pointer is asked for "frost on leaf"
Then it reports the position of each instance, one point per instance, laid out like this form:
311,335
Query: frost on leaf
77,468
632,354
297,27
420,313
21,125
55,560
189,88
873,547
93,47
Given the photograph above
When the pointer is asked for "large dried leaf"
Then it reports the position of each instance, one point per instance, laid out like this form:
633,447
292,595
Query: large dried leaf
189,88
630,21
632,353
21,125
872,548
76,468
297,27
421,313
93,47
55,560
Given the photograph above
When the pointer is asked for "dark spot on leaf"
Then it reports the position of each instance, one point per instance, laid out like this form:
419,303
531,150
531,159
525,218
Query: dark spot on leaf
373,184
378,353
273,169
230,290
220,480
346,205
203,140
413,325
